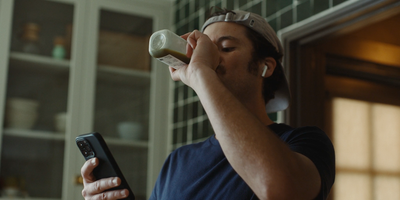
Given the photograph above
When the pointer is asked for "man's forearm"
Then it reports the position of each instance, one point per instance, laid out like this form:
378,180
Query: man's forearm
263,161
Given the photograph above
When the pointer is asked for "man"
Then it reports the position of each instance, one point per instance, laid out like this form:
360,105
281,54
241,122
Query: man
236,72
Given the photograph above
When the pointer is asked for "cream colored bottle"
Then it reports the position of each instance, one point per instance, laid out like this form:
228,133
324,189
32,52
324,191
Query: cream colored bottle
168,48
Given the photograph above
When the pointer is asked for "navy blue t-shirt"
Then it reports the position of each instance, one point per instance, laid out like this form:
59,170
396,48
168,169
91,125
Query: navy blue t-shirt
201,171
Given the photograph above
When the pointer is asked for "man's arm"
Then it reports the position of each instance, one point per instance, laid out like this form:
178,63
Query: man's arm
264,162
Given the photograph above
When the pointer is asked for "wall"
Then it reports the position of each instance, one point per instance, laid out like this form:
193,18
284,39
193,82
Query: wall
190,14
190,122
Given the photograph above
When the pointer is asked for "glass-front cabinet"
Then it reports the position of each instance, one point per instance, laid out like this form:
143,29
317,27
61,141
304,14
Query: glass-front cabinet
69,67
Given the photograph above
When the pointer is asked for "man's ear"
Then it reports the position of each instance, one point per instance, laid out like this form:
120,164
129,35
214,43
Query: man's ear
269,67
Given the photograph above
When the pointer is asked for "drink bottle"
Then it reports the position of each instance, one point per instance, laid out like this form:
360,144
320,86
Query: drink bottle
168,48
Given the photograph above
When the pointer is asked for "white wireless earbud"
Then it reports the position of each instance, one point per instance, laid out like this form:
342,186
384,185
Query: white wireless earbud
264,71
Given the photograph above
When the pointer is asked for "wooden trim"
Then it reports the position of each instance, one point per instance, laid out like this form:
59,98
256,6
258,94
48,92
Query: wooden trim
362,90
308,88
350,67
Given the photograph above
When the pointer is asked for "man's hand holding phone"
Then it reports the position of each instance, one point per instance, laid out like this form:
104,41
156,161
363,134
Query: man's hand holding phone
96,189
102,178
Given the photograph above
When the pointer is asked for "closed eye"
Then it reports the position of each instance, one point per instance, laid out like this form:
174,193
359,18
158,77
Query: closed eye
228,49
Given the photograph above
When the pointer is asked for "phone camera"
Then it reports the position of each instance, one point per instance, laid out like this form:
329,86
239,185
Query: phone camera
85,148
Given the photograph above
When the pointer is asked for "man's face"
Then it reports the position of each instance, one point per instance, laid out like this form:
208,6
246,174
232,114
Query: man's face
235,51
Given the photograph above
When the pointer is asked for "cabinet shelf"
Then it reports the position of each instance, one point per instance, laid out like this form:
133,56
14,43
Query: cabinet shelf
37,61
109,73
124,71
34,134
5,198
48,135
128,143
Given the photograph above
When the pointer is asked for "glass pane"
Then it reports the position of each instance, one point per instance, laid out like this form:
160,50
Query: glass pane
387,188
351,133
352,186
123,92
42,28
33,166
378,179
32,149
386,137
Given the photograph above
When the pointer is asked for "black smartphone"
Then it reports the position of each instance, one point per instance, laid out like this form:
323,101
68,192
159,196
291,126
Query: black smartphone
93,145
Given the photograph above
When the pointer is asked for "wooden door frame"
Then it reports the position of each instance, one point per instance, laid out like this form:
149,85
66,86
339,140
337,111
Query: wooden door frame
304,65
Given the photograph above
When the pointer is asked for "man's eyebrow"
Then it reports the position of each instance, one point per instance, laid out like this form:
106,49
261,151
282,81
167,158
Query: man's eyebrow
228,37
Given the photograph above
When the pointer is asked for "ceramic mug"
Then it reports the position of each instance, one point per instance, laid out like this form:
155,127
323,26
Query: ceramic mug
130,130
60,121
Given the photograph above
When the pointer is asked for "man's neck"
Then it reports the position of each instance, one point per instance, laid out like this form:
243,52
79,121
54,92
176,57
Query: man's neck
258,109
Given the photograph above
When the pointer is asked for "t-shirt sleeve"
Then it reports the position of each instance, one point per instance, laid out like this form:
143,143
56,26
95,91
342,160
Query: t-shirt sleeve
313,143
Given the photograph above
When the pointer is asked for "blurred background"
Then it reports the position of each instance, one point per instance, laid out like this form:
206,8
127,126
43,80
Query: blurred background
70,67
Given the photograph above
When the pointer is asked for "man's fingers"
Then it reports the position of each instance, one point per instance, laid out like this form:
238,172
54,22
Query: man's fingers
100,186
87,169
110,195
174,76
95,189
185,35
193,37
189,50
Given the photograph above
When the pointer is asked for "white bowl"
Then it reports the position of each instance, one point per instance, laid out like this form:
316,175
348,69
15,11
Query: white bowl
11,192
22,104
21,120
130,130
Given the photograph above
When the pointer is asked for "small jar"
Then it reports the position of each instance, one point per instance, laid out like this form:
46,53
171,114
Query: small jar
59,48
30,38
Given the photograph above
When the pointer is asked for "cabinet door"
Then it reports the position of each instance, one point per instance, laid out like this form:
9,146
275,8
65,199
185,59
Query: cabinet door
35,98
128,87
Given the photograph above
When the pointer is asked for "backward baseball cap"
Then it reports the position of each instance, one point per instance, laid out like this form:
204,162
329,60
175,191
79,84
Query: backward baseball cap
260,25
